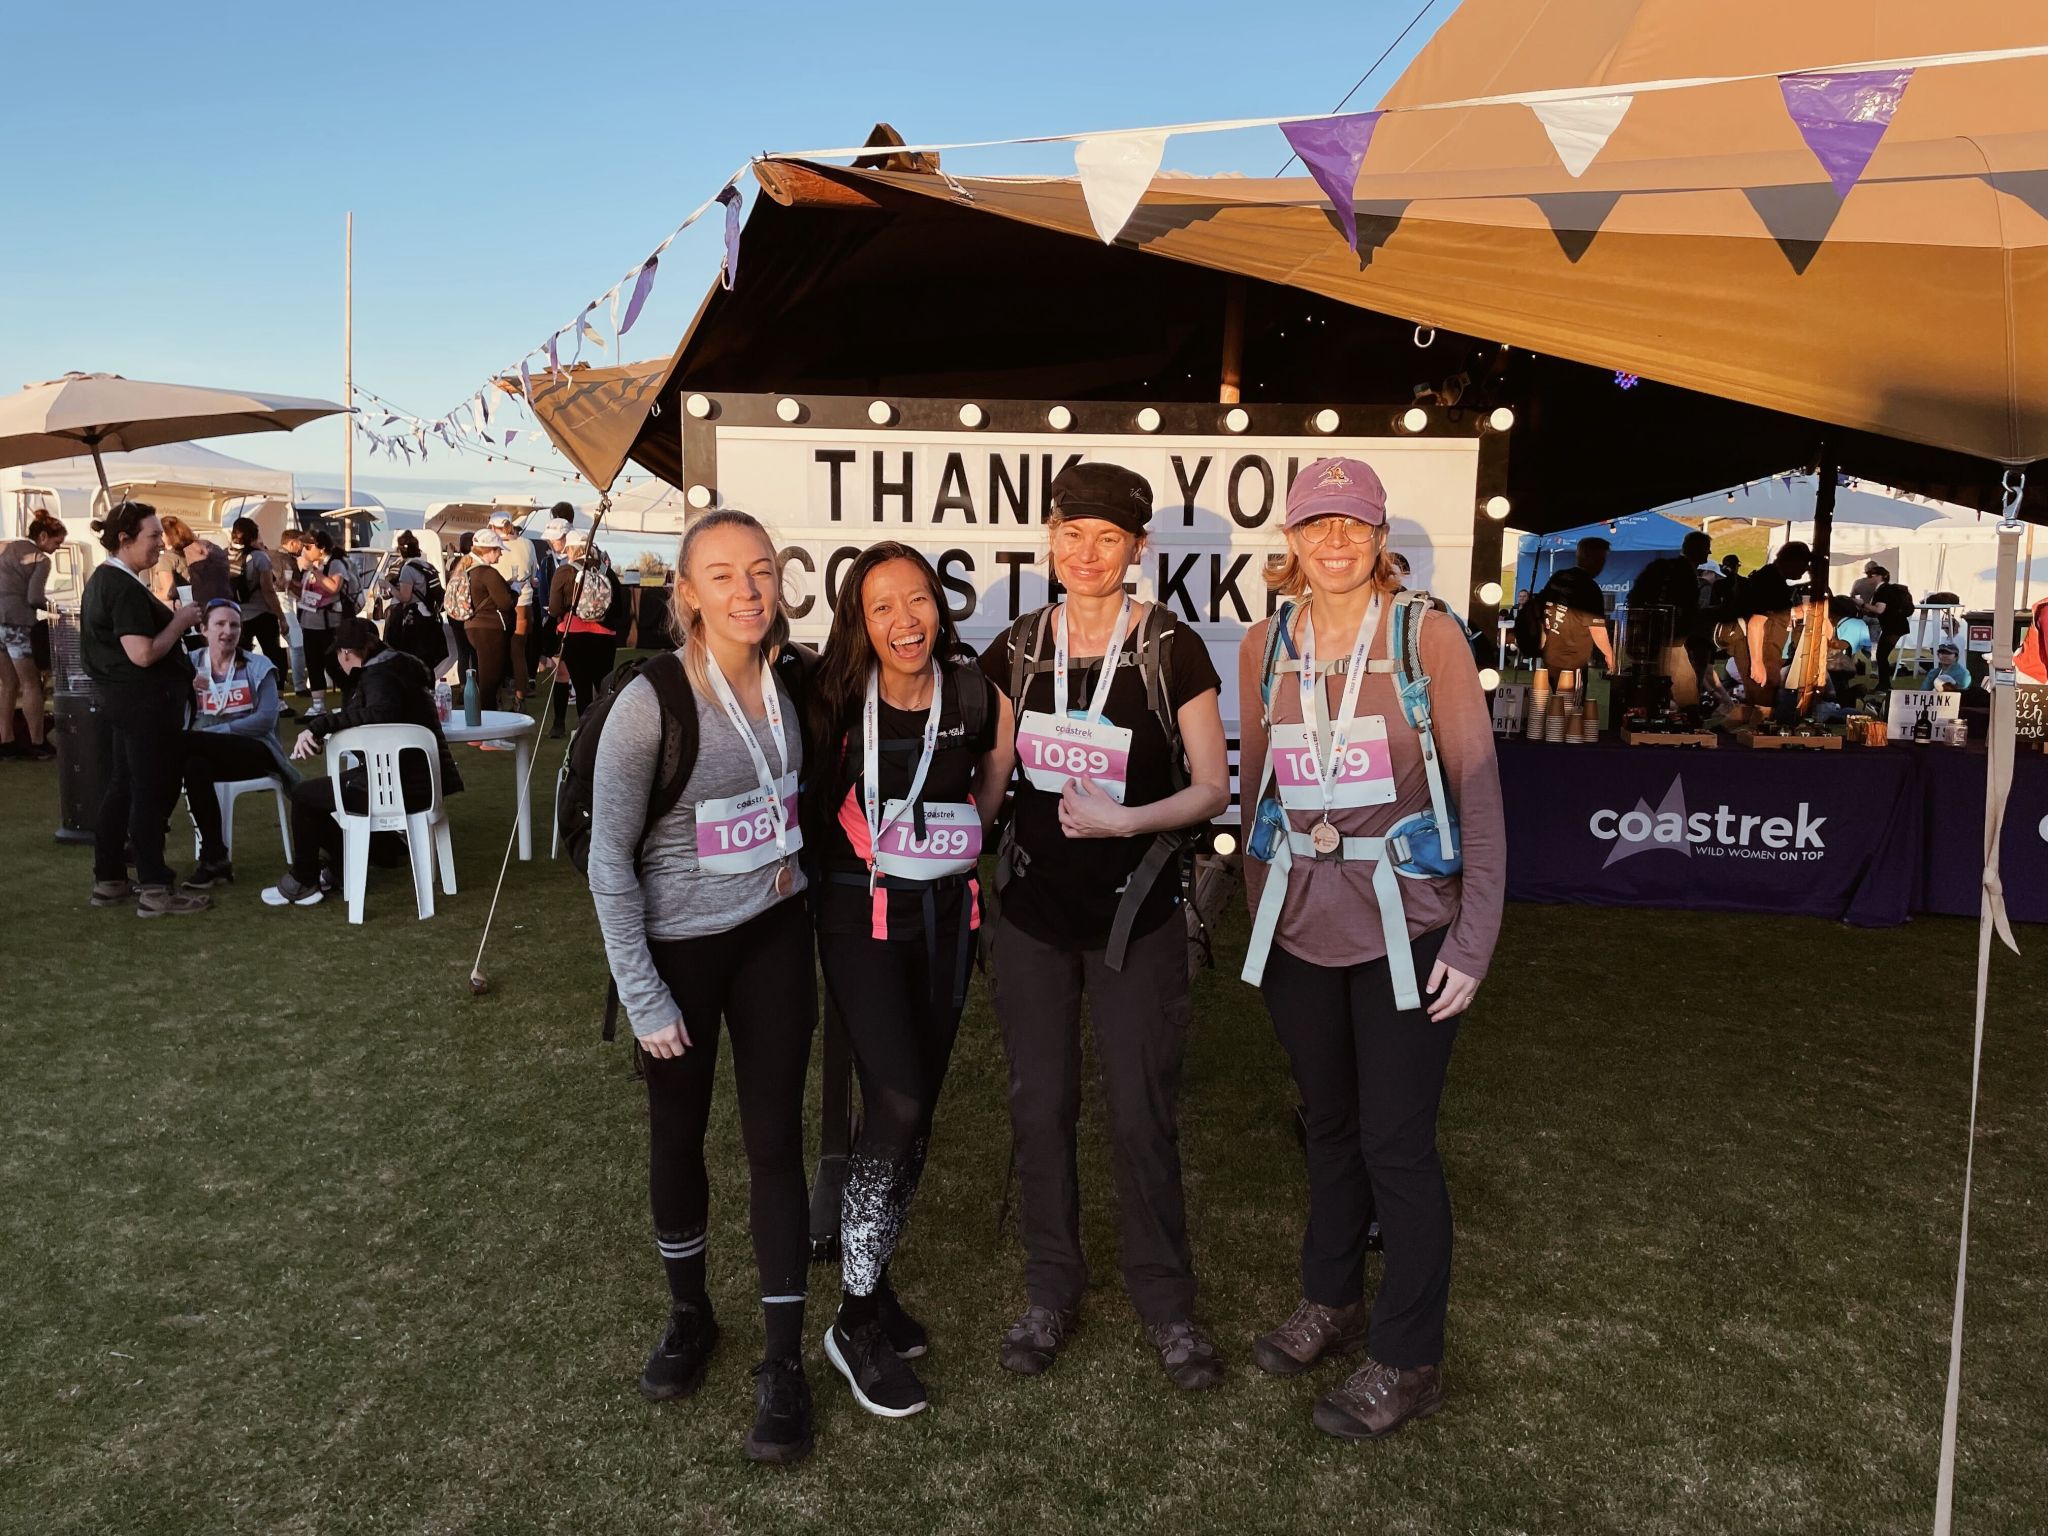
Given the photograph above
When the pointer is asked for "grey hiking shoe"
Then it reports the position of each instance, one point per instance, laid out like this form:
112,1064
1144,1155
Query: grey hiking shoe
1311,1335
112,893
1035,1339
1186,1355
1379,1399
162,901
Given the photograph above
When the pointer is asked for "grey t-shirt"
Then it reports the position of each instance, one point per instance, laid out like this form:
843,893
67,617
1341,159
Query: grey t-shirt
669,897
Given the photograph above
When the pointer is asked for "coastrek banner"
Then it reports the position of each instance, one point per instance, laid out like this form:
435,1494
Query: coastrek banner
1717,831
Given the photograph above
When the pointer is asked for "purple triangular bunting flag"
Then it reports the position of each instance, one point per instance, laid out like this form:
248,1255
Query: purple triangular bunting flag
642,286
1842,117
729,269
1333,148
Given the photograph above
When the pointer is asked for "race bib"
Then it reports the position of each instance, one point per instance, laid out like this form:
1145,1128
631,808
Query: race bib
1365,776
736,835
950,845
1053,751
231,699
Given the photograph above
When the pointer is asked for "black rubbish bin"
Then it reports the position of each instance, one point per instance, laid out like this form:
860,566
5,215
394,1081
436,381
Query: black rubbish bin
80,735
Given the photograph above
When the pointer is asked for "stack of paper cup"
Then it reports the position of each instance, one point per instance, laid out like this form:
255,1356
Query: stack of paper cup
1539,706
1554,719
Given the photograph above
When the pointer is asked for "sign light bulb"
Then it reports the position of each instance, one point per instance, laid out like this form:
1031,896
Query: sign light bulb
788,409
1326,421
1224,844
1490,592
1489,679
1497,507
972,415
1148,420
1059,418
1238,419
698,406
881,413
1501,419
698,496
1414,419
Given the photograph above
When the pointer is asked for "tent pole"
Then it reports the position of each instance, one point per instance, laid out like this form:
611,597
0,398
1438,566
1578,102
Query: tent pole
348,359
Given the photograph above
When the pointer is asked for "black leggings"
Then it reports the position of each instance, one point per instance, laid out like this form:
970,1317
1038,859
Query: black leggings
1370,1078
490,647
759,981
902,1021
260,629
322,670
590,659
219,757
144,727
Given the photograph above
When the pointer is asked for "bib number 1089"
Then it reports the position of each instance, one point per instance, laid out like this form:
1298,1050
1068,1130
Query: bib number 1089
1069,757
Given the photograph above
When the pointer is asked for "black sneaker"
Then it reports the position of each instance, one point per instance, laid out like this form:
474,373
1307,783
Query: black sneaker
881,1382
1186,1355
1035,1339
211,872
676,1368
905,1333
782,1413
37,751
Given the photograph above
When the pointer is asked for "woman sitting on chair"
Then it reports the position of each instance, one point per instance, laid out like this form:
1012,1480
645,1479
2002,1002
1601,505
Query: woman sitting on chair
390,688
233,735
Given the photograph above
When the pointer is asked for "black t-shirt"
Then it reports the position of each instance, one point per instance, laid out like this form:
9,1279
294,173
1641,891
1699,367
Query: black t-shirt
1068,890
1575,588
1672,582
899,734
1766,591
1897,617
116,603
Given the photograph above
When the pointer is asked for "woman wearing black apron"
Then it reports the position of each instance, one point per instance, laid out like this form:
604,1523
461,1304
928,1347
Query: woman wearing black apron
1110,696
914,778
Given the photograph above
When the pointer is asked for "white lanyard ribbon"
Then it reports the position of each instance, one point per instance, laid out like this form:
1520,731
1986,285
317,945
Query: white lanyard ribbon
1110,658
219,693
1327,769
871,788
770,784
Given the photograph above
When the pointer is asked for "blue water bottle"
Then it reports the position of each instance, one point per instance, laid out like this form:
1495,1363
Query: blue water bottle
472,707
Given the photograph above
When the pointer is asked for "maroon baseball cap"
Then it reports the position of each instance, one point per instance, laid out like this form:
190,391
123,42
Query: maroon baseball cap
1337,488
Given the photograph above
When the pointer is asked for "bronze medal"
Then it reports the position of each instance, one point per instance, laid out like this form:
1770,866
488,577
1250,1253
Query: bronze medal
785,882
1326,838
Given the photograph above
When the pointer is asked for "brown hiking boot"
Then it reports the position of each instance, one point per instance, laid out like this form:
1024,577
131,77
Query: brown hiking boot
1379,1399
162,901
112,893
1035,1339
1186,1355
1310,1336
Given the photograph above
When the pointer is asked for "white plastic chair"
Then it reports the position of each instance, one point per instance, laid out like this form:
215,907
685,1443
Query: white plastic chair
379,748
228,794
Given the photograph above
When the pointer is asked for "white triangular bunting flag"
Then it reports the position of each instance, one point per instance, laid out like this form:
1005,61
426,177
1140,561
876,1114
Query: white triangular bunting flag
1115,169
1580,127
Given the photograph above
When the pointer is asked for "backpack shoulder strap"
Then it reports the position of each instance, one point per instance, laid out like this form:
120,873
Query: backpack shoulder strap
1279,632
1023,659
671,685
974,689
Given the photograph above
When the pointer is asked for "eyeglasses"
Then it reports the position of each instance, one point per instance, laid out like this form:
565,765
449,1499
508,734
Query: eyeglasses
1340,530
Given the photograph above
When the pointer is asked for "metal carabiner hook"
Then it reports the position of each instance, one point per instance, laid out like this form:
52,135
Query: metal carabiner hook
2014,487
1422,331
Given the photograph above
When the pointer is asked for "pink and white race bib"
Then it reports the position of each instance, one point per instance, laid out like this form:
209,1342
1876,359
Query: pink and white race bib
951,844
1365,773
1053,750
736,835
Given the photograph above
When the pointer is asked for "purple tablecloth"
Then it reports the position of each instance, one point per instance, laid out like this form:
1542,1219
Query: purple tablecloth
1952,821
1835,834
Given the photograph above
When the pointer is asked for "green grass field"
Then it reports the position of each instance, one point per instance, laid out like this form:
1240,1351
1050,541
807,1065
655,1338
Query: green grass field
296,1236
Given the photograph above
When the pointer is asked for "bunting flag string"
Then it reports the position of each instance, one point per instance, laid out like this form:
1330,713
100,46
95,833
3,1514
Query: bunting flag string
1843,117
1333,149
1580,129
414,431
1115,169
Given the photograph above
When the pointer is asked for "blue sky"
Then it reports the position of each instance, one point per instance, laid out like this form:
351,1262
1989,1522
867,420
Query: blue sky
178,213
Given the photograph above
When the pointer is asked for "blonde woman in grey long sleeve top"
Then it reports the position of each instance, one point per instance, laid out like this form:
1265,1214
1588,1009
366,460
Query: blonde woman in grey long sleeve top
698,892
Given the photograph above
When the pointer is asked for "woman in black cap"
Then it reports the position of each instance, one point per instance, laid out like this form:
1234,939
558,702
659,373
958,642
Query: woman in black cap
1120,741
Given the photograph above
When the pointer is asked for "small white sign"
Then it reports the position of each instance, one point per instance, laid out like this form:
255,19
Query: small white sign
1510,708
1905,710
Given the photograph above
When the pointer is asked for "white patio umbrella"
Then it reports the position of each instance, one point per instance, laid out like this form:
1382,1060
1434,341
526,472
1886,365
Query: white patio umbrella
103,412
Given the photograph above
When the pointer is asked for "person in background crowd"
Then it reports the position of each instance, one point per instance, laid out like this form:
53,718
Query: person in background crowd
1091,906
1767,624
24,577
291,549
1666,597
1574,613
1863,592
233,735
323,603
130,645
516,566
2031,659
1949,670
1339,952
489,625
588,648
253,578
1890,606
391,688
707,931
553,538
913,763
169,573
414,623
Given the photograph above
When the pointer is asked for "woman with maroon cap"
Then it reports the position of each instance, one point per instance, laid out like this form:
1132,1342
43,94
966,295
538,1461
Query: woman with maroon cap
1376,856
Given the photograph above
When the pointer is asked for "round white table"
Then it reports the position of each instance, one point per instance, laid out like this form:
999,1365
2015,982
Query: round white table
519,729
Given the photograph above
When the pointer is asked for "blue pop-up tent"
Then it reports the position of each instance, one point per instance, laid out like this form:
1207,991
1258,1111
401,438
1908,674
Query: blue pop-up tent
1636,540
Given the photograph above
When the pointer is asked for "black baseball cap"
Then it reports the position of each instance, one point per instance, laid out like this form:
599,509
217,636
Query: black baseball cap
1107,491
